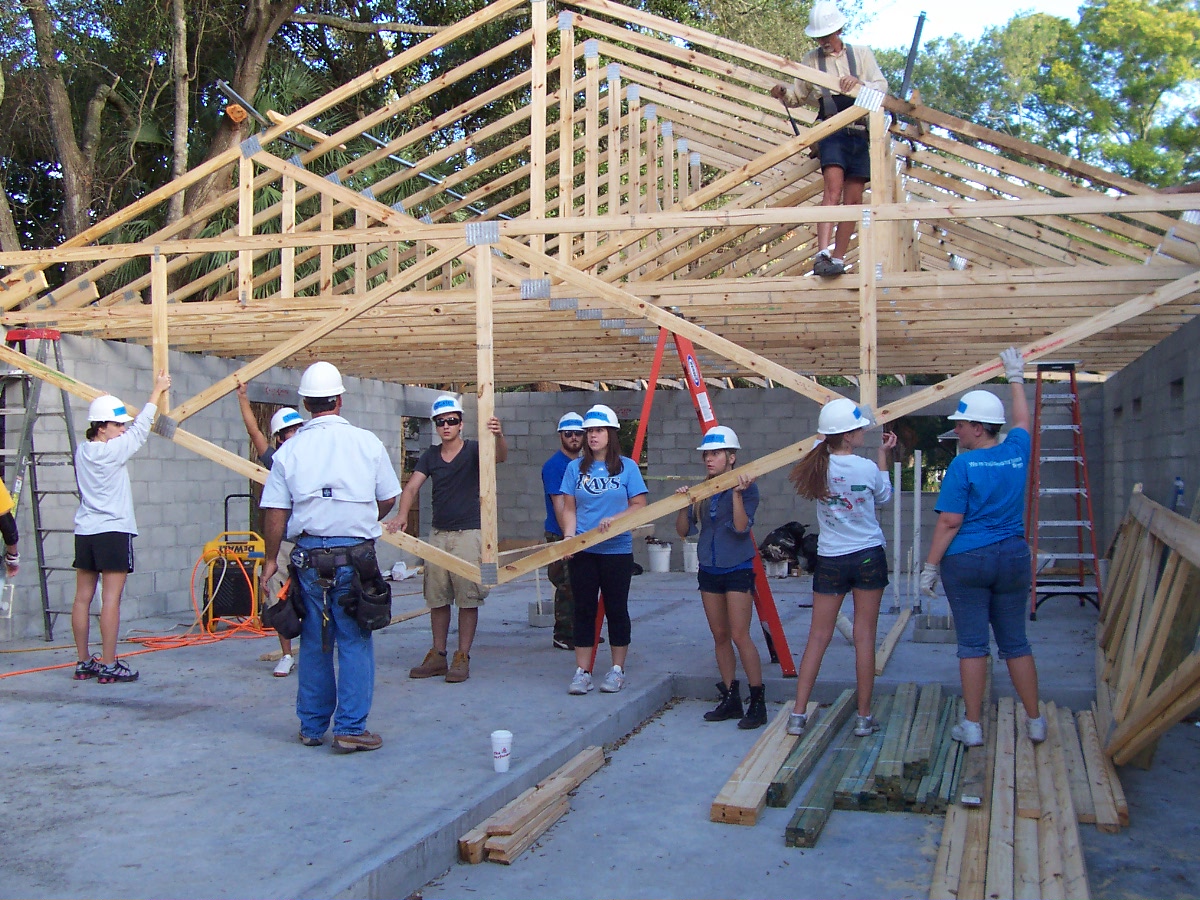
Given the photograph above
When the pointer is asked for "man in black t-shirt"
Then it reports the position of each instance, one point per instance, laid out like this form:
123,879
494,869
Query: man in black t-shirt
453,467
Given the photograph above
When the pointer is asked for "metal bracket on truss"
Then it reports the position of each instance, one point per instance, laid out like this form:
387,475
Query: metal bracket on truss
537,289
561,303
250,146
164,426
483,233
489,573
869,98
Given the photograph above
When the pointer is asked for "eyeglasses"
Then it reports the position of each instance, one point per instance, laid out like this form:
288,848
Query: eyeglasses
572,434
446,423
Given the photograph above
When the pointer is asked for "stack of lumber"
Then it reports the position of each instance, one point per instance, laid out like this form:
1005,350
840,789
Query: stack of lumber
512,830
809,750
1022,838
741,800
1147,664
814,808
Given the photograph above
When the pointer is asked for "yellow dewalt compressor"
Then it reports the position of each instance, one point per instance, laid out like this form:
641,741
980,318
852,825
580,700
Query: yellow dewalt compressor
234,561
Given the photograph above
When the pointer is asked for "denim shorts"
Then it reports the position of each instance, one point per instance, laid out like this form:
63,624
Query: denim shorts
990,586
848,150
739,581
865,570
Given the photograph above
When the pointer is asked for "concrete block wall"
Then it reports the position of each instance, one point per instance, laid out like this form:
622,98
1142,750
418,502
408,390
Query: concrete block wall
178,496
1149,429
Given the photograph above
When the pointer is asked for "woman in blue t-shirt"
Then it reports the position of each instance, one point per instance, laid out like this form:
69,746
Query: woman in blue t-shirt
599,487
726,577
979,549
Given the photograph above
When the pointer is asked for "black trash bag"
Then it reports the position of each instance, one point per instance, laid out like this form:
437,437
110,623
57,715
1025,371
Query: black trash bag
783,544
808,553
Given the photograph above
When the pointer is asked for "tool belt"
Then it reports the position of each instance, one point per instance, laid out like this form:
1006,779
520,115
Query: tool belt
369,601
287,613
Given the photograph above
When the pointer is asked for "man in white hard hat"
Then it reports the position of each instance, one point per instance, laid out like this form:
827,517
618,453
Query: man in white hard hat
570,437
284,423
453,467
845,154
329,486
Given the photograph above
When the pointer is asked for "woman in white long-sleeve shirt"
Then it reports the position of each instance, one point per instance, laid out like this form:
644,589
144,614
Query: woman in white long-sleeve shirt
105,526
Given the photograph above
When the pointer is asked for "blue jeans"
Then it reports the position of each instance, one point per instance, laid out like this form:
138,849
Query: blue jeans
990,586
321,695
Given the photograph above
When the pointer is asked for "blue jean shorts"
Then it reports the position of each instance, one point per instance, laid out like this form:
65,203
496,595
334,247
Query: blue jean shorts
990,586
739,581
865,570
848,149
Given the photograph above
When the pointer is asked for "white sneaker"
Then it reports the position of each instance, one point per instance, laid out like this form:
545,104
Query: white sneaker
865,726
613,681
1037,729
797,722
968,733
581,683
285,666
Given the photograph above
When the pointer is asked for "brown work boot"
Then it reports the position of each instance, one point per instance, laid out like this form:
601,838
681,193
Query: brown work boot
348,743
433,664
460,668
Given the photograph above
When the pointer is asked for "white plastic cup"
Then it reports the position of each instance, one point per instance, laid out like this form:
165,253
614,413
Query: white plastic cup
501,750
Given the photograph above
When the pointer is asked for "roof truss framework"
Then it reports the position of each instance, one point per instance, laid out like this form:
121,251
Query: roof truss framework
684,202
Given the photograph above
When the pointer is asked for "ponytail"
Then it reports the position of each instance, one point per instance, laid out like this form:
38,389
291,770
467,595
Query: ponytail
810,476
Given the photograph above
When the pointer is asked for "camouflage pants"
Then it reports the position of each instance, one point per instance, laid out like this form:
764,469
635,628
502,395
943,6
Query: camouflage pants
564,600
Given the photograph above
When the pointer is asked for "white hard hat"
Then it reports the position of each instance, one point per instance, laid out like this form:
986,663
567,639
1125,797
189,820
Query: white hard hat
600,416
108,409
447,403
284,419
321,379
979,406
720,437
824,19
571,421
841,415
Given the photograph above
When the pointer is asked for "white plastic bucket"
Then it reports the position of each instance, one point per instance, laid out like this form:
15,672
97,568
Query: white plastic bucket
660,557
691,561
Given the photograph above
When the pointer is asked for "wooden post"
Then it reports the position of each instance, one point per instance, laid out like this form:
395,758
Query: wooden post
633,205
325,282
485,409
591,147
245,228
614,139
668,166
537,126
566,127
360,255
287,225
158,304
869,264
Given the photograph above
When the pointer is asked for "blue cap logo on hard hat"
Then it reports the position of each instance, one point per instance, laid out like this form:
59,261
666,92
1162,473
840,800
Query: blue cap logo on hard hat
107,408
979,406
720,437
841,415
571,421
600,416
284,419
447,403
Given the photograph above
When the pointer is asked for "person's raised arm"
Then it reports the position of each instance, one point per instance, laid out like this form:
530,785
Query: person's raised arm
1014,371
162,384
257,438
501,441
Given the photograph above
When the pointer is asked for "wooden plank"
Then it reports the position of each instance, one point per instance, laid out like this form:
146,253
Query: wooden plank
927,794
813,811
889,643
1075,881
808,751
485,385
973,877
161,352
580,767
856,789
1081,790
890,768
506,848
999,878
537,125
1026,873
1103,805
924,730
948,866
471,844
1029,804
743,797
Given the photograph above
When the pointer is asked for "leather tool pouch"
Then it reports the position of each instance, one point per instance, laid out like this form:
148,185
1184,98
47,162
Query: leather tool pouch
286,615
369,602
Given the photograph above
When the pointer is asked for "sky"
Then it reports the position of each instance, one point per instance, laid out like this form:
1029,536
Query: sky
895,20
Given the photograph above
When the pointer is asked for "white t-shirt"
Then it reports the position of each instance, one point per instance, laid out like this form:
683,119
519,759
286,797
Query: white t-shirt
105,498
847,519
330,475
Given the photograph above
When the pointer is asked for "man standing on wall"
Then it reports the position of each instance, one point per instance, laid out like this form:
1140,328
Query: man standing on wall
845,154
570,436
330,484
454,469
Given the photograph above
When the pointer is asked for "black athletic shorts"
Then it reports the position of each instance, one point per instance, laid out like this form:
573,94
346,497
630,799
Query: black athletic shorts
110,551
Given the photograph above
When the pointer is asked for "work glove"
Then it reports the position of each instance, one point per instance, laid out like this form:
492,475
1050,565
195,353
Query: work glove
1014,365
930,572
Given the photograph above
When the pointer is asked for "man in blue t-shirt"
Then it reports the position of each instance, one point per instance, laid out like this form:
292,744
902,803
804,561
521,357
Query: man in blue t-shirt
570,436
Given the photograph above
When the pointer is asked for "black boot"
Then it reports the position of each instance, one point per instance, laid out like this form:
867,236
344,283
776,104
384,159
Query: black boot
756,709
730,706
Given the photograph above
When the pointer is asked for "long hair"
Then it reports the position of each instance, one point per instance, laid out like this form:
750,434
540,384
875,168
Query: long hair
810,476
612,455
698,506
93,430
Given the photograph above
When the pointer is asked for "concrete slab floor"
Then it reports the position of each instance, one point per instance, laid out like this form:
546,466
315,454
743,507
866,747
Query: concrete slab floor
190,782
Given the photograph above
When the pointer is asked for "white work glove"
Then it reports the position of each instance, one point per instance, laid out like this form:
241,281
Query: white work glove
1014,365
930,572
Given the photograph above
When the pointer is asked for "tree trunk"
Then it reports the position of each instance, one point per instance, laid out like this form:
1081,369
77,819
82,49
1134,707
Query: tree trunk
263,20
179,72
9,241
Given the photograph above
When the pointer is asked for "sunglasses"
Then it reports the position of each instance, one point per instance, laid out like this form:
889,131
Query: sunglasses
572,434
446,423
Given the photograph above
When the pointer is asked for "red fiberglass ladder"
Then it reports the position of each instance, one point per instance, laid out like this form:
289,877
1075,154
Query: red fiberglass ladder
764,601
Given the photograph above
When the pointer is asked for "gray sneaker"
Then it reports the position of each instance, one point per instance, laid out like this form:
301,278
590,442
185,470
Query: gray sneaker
613,681
827,267
1037,729
968,733
865,726
581,683
797,722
